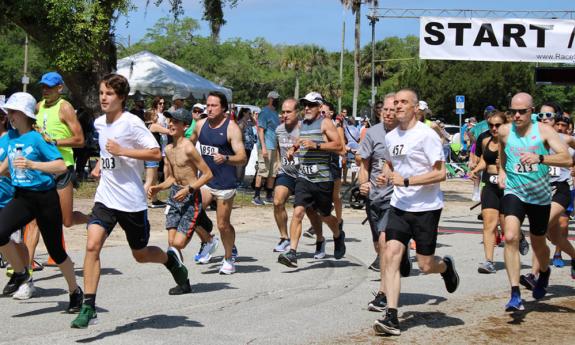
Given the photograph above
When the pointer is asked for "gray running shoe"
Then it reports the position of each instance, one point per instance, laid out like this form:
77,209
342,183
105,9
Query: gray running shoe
523,245
289,259
319,250
339,250
309,233
486,267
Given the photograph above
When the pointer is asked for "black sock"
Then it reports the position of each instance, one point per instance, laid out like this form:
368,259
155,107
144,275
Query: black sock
269,193
171,263
515,291
257,192
544,274
292,251
392,313
77,291
90,299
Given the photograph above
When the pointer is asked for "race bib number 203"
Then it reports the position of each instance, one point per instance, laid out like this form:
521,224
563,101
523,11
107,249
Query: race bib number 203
109,163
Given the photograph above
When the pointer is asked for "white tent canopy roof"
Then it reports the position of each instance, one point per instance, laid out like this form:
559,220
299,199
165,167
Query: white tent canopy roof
153,75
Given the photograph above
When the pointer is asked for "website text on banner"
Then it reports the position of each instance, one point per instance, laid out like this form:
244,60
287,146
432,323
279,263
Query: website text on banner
490,39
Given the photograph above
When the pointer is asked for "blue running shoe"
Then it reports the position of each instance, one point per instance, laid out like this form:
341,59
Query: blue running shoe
558,261
198,256
514,304
234,253
540,289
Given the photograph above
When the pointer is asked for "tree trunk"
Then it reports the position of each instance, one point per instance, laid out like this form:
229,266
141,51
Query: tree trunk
356,61
296,89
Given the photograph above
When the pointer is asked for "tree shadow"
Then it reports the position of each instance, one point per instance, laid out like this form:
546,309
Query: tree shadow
152,322
432,319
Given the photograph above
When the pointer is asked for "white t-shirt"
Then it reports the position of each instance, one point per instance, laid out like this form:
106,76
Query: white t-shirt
414,152
120,186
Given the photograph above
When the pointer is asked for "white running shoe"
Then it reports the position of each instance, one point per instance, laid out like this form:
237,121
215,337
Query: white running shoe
208,250
25,291
319,250
228,267
282,246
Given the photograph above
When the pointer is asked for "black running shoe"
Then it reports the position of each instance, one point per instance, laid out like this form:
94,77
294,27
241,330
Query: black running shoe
405,265
339,250
14,283
375,265
379,303
387,325
76,299
450,276
181,289
341,225
528,281
289,258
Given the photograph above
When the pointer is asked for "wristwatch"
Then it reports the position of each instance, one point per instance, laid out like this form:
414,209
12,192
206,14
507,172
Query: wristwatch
191,189
541,158
406,182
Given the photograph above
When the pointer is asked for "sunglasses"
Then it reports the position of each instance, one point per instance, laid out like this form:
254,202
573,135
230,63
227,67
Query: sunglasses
310,105
547,116
495,125
196,111
520,111
161,103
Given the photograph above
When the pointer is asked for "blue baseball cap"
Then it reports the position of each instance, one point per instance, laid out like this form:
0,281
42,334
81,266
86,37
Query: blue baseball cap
490,109
51,79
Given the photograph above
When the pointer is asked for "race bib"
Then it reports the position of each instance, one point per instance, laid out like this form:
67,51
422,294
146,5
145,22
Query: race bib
398,150
554,171
494,179
526,168
354,167
286,161
109,163
308,169
207,150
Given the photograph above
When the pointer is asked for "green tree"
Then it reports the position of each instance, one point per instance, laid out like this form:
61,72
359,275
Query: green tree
302,59
214,14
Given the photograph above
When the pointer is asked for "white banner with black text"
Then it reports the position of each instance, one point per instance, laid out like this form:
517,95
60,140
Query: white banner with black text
491,39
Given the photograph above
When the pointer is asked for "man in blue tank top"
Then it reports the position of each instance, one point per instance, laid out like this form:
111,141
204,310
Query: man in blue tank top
222,147
524,176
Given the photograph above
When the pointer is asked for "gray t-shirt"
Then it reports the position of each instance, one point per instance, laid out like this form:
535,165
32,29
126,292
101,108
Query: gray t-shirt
372,147
286,140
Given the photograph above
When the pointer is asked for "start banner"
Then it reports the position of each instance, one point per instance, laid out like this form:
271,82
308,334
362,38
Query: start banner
491,39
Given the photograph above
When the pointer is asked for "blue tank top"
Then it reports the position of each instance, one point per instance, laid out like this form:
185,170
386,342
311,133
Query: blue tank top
212,141
529,182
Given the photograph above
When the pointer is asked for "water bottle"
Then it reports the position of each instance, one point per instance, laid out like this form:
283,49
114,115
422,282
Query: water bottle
19,172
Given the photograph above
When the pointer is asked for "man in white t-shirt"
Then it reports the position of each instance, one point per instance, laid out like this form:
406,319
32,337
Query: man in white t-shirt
415,166
125,143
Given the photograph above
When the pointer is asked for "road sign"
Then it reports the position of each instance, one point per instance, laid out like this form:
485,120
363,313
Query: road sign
459,102
460,111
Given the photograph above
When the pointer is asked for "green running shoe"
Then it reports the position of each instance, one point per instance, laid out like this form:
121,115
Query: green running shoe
86,317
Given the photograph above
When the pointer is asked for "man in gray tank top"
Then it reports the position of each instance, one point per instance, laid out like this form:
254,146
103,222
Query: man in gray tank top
318,138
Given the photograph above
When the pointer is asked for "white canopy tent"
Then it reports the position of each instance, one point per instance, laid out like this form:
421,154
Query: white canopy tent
153,75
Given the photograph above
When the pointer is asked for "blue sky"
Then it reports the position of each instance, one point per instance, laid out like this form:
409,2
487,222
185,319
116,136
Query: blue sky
311,21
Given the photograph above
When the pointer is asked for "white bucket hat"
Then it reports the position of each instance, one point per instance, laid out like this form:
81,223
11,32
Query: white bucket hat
21,101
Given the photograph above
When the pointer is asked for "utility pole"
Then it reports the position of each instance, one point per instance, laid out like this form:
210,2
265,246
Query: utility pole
340,90
25,79
372,20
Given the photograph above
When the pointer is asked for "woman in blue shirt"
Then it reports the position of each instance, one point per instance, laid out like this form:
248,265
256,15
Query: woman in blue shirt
32,163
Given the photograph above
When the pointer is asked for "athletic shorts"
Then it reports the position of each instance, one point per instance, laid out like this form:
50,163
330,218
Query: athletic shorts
491,196
317,196
268,166
135,224
561,193
18,236
336,171
64,179
538,214
421,226
570,207
377,216
151,164
186,215
286,181
220,194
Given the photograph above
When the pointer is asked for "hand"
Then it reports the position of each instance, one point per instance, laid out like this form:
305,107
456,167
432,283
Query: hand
471,165
473,175
264,151
23,163
396,179
307,144
113,147
364,188
290,153
182,194
381,180
151,190
219,158
96,172
529,158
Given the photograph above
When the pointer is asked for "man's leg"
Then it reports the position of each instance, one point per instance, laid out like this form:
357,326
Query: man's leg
281,194
295,226
227,231
393,252
511,251
96,237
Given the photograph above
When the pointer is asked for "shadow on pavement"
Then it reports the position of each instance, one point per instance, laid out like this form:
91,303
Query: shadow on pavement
432,319
80,273
60,307
240,268
152,322
518,317
210,287
325,264
406,299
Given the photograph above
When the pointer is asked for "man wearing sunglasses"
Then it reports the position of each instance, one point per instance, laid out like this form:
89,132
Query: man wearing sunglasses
318,139
524,176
